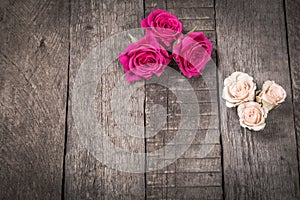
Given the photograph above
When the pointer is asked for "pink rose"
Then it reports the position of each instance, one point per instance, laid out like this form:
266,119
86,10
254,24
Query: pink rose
192,53
144,58
165,27
271,95
252,115
238,88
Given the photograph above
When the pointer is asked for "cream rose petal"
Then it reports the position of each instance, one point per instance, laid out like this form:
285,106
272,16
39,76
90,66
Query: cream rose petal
262,115
230,105
232,96
268,100
267,84
226,95
244,77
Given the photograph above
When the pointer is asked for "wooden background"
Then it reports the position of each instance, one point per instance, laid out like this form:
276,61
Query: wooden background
43,43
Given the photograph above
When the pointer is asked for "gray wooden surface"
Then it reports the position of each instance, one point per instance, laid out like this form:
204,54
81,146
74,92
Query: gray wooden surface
43,44
86,178
293,30
33,87
191,176
261,165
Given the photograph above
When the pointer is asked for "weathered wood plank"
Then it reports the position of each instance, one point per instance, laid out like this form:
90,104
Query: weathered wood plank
196,193
86,177
190,4
187,180
198,179
166,136
193,165
33,88
293,28
194,150
204,109
195,175
252,39
154,4
199,165
201,25
193,13
206,122
185,193
203,96
199,83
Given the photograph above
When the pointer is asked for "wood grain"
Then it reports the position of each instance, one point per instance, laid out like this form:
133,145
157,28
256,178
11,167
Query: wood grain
260,37
33,88
293,28
252,39
86,177
190,4
193,175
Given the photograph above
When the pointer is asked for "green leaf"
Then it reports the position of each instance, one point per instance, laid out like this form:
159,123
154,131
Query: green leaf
133,39
191,31
257,92
274,108
174,43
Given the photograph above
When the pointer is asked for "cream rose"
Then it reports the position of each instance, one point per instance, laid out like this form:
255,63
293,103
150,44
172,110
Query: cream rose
238,88
252,115
271,95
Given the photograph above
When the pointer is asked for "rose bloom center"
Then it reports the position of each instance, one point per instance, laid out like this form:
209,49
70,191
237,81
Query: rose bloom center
275,93
252,115
239,89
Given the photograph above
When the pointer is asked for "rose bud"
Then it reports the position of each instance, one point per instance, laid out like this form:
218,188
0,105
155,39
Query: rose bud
252,115
271,95
144,58
164,26
238,88
192,53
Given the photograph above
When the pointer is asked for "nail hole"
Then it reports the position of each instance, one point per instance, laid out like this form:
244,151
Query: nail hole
42,43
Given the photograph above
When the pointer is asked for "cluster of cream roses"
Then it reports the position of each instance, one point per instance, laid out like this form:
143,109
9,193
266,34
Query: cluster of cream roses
253,106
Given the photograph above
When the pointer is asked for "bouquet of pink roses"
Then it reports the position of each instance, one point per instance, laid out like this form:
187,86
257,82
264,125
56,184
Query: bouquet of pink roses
163,42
